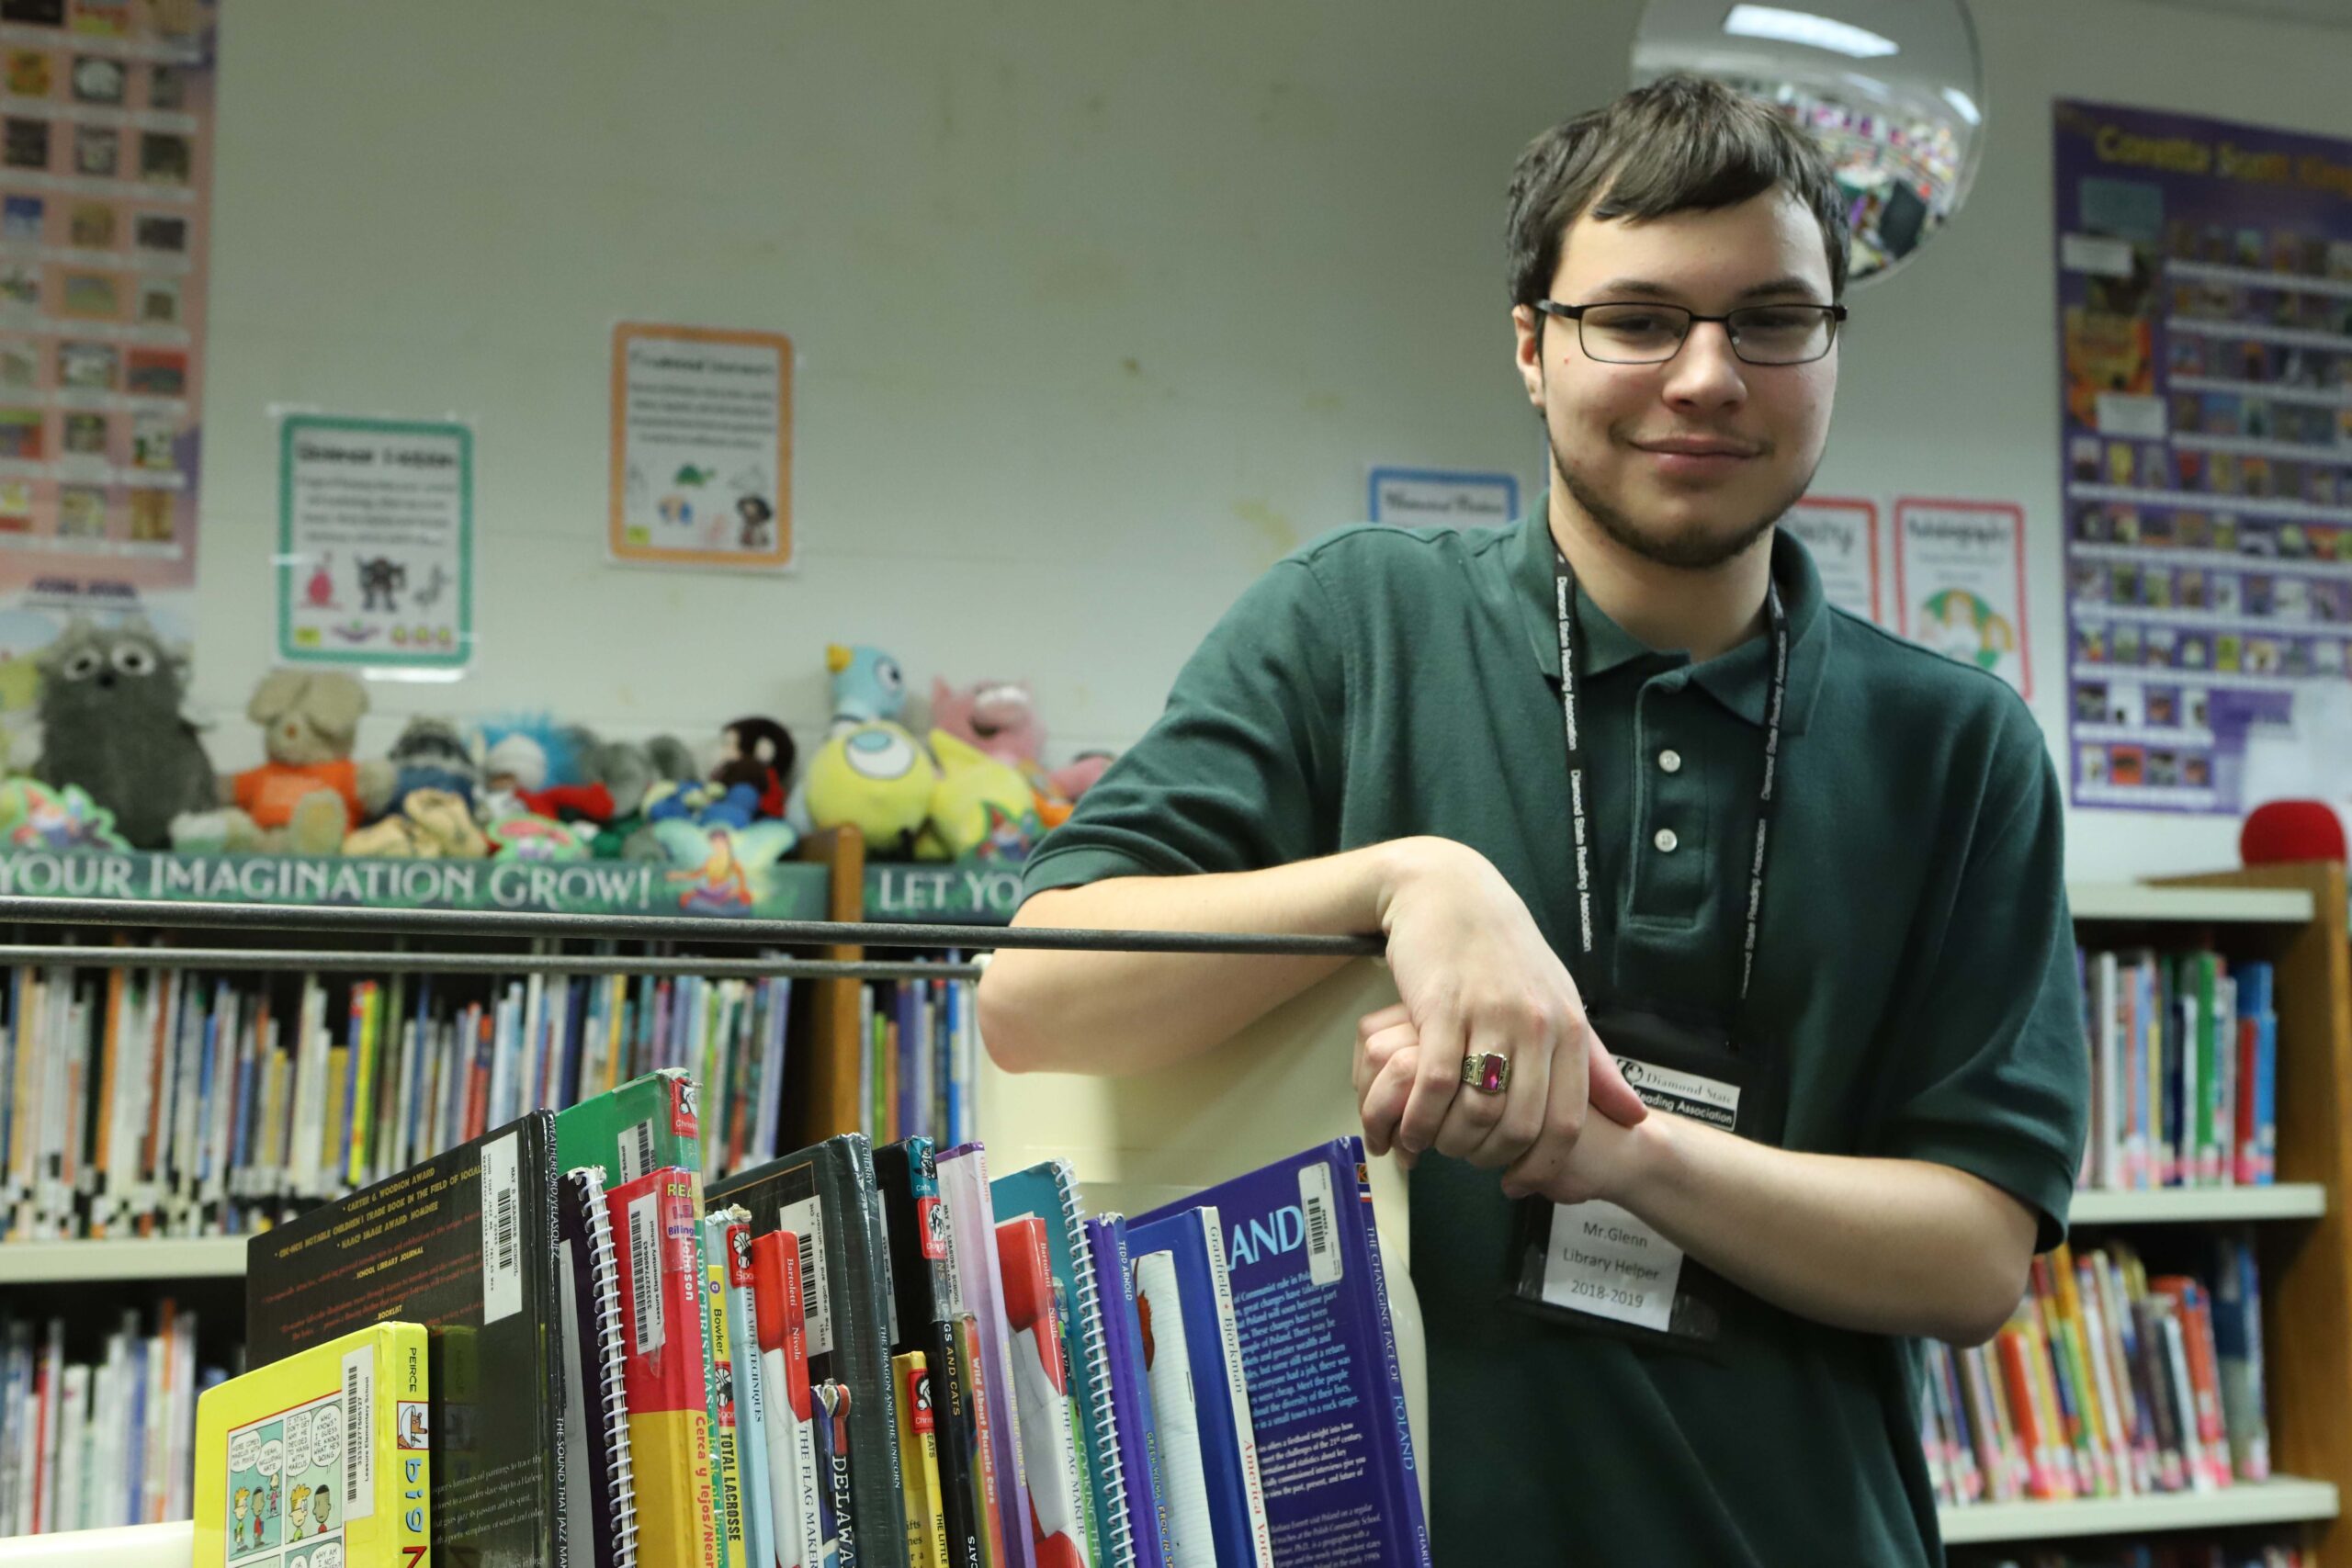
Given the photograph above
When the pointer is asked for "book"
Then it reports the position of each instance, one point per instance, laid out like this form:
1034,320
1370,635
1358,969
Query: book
1233,1491
1175,1412
600,1477
728,1480
1143,1514
1048,1192
655,1221
923,1295
826,1196
733,1229
1304,1262
918,1451
1041,1387
2237,1344
972,1261
466,1244
780,1287
327,1448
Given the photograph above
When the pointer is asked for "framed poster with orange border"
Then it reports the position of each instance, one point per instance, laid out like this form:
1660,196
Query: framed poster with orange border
1842,534
1960,583
701,447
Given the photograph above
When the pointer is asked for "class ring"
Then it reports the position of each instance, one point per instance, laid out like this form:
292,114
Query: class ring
1487,1071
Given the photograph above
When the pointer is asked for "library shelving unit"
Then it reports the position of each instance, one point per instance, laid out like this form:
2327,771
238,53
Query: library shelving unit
2293,916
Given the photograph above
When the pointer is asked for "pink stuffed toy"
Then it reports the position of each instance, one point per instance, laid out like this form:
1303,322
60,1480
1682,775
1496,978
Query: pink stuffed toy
997,717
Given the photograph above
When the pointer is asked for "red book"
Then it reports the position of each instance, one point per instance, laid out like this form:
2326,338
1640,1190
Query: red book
2017,1376
781,1321
2211,1451
655,1219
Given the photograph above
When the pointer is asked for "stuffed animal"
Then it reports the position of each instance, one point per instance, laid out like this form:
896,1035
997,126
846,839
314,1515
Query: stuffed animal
867,686
615,778
980,809
428,824
306,798
999,717
431,754
876,778
755,756
111,724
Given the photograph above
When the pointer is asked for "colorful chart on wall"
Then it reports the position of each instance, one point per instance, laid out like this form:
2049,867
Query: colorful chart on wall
1842,535
1960,583
375,542
2205,295
106,183
701,447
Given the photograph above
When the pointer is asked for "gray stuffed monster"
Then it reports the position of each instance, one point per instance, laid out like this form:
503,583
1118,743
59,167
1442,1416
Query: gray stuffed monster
112,723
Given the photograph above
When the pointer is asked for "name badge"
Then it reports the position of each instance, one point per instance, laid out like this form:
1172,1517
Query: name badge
1600,1259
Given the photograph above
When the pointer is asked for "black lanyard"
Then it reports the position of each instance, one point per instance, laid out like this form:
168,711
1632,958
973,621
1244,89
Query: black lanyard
1564,584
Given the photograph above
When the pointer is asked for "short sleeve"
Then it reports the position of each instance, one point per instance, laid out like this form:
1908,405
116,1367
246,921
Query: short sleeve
1241,771
1996,1073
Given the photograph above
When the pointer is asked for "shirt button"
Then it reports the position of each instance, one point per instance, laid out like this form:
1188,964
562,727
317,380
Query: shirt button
1669,760
1666,840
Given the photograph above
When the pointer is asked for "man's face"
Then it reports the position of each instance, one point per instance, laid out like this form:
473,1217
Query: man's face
1688,462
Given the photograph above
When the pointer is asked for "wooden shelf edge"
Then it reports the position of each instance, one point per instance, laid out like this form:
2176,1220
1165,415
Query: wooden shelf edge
2198,1206
67,1262
2281,1500
2146,901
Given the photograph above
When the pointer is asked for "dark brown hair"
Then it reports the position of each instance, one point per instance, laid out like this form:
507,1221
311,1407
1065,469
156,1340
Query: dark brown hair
1680,144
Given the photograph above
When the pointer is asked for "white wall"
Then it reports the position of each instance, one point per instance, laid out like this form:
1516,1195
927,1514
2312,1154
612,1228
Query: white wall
1100,310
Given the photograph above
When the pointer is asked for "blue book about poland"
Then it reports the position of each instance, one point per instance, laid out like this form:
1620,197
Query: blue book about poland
1319,1356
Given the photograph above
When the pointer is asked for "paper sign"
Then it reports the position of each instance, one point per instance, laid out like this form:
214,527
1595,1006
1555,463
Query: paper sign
1842,538
1960,582
375,542
701,447
1442,498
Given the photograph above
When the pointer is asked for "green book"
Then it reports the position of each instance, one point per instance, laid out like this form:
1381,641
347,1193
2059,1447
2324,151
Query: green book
2208,967
645,1124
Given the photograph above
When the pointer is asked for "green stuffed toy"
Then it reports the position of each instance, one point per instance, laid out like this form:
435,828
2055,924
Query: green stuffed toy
875,777
981,808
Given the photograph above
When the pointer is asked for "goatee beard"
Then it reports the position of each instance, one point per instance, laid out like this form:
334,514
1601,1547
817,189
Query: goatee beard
1694,550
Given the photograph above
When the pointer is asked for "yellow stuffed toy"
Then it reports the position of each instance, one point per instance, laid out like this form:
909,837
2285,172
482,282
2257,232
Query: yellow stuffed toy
981,808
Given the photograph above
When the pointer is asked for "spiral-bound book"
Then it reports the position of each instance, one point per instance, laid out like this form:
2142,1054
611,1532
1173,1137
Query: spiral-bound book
599,1481
1049,1192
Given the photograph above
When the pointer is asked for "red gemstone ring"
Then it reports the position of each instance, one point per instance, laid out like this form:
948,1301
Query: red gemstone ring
1487,1071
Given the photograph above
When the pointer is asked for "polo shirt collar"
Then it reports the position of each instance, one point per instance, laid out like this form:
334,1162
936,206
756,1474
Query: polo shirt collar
1740,679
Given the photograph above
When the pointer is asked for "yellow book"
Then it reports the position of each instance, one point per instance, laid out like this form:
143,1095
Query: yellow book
919,1458
368,1005
326,1448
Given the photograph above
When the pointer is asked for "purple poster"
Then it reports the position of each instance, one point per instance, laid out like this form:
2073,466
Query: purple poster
2205,330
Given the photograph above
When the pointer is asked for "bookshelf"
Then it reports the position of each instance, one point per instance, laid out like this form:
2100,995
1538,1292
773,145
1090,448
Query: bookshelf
132,1258
2284,1501
2294,916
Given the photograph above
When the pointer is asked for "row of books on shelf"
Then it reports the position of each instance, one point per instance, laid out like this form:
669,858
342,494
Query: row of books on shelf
847,1356
85,1445
166,1102
2108,1381
2192,1552
918,1060
2184,1070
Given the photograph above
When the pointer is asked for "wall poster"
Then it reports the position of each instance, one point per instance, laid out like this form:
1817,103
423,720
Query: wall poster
701,447
2205,321
105,198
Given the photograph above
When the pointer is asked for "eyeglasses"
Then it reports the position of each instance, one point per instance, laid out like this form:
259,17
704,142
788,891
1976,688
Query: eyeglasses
1646,333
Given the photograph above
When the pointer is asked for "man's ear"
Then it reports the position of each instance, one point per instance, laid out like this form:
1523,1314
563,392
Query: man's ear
1527,326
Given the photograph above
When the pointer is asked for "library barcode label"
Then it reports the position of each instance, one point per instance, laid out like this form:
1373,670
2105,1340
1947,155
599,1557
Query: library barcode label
637,1150
804,1220
645,1272
1323,1265
501,1214
359,1433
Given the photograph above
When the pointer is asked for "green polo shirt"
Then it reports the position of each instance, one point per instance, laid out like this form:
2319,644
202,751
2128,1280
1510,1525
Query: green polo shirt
1915,972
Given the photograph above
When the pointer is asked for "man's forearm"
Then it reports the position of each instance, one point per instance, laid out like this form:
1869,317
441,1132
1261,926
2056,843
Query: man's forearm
1126,1012
1883,1246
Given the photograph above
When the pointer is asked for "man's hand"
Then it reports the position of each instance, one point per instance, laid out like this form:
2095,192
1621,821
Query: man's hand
1476,976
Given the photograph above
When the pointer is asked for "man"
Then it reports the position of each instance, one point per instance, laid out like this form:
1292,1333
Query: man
1808,875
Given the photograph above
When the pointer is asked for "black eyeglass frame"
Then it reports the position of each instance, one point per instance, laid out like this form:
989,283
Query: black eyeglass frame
1836,314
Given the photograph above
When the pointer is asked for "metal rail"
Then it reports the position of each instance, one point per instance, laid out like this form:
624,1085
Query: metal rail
149,914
